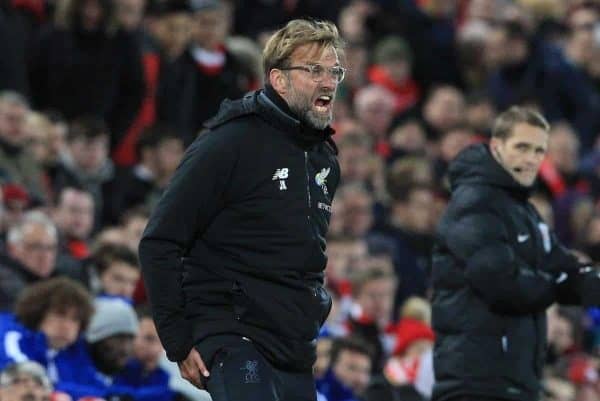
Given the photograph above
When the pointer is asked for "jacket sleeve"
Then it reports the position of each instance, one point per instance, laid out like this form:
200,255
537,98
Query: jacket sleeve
193,197
493,270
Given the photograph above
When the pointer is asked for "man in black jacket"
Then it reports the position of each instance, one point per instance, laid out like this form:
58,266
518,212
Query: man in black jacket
497,267
234,253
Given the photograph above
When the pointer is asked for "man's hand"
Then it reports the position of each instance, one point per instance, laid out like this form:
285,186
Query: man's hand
191,368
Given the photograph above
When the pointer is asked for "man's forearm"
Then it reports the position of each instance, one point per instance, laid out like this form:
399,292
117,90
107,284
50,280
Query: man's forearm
162,272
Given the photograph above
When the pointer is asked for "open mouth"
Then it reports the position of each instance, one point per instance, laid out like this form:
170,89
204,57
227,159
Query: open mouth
323,103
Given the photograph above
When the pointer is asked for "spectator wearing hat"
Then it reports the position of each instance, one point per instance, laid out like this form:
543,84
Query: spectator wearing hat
46,326
192,87
16,201
392,65
25,381
109,344
414,343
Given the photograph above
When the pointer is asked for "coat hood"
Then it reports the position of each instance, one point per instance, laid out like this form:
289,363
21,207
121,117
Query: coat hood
476,165
270,106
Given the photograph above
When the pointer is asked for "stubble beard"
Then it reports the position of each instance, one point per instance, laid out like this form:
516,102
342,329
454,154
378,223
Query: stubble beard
303,108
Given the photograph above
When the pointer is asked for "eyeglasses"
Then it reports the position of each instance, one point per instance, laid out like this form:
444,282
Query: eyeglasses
317,72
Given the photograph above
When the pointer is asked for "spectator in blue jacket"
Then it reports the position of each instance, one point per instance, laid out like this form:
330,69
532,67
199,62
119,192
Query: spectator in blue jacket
98,364
350,370
48,320
143,371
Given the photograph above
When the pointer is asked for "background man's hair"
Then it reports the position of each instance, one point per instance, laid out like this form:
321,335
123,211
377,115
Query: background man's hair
354,344
58,294
296,33
108,254
506,121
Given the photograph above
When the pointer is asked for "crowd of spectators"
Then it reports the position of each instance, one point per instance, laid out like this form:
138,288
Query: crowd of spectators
99,98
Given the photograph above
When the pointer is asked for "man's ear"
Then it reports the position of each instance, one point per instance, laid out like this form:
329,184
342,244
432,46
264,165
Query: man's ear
278,80
494,143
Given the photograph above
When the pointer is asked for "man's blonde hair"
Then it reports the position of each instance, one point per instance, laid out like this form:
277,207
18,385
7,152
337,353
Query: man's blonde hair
296,33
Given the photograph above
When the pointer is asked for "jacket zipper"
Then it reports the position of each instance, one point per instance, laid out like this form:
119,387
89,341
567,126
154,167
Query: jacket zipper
307,182
308,220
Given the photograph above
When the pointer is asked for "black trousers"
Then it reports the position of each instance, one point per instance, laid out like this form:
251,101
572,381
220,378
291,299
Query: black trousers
238,372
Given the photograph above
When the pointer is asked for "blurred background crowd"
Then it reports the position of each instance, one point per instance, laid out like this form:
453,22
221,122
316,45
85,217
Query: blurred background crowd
99,98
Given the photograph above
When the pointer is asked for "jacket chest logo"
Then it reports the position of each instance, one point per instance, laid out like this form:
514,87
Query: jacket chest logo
281,174
321,179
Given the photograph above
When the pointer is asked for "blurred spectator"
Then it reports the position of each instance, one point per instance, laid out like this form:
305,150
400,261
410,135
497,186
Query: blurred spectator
410,225
32,247
174,34
563,337
356,158
24,381
371,315
118,271
358,209
324,344
582,21
414,343
479,114
444,108
83,64
349,372
374,107
159,151
87,164
193,86
19,21
408,139
129,14
46,326
16,202
74,216
142,371
357,58
431,32
16,164
450,144
108,346
560,177
134,223
525,71
130,18
392,65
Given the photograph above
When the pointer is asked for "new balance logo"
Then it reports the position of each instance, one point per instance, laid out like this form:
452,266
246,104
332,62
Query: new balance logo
522,237
281,174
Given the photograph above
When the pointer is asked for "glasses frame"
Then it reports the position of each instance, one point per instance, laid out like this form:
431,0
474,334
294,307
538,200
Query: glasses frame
310,68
